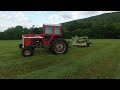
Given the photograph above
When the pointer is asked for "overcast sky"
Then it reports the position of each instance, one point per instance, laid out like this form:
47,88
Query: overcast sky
38,18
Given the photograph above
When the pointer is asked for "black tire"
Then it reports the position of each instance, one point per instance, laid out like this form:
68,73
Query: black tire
59,46
33,48
89,44
49,49
20,46
27,51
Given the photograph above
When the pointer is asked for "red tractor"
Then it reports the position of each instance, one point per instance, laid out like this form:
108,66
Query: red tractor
51,38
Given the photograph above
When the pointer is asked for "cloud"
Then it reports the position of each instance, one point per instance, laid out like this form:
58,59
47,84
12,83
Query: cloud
72,15
38,12
21,17
67,17
83,14
29,18
55,17
5,17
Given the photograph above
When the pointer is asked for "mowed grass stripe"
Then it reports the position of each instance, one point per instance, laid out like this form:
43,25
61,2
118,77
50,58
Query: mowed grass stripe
24,65
42,53
99,64
29,66
13,64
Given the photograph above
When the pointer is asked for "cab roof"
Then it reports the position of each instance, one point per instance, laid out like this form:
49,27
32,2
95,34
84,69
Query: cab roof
52,24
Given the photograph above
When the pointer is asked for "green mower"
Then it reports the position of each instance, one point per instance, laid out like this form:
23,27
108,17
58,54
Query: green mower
81,41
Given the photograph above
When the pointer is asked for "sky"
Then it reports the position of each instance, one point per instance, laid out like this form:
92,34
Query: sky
38,18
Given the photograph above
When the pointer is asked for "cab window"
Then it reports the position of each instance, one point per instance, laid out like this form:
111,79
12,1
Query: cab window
56,30
48,30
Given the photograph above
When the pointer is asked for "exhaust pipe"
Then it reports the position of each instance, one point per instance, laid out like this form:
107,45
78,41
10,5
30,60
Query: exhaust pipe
33,30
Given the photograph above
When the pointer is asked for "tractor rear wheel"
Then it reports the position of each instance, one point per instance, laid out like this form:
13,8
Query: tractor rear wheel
49,49
59,46
27,51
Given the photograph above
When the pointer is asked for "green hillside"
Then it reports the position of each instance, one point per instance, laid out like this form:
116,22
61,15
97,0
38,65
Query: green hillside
101,26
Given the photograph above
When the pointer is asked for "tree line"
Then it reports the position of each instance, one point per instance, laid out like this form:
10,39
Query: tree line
15,33
96,31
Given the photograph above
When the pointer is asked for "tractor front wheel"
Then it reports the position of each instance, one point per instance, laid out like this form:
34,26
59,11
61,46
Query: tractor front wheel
27,51
20,46
59,46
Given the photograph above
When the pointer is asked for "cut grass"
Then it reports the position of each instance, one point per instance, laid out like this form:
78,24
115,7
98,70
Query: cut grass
98,62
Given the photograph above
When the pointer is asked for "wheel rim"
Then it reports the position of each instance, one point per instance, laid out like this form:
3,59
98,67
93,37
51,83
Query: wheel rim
60,47
27,52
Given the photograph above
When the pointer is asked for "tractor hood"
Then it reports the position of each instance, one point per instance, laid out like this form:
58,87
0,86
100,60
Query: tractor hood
33,35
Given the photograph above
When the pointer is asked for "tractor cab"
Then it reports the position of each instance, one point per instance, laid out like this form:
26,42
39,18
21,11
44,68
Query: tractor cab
53,29
50,31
